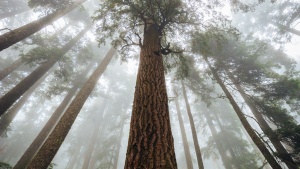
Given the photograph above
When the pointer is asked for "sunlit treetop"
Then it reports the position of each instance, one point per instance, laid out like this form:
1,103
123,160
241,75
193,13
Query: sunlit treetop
126,20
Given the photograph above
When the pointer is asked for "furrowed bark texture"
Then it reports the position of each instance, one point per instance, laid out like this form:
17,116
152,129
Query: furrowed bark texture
219,144
16,35
6,71
41,137
282,152
14,94
261,146
193,128
150,143
47,152
186,147
9,116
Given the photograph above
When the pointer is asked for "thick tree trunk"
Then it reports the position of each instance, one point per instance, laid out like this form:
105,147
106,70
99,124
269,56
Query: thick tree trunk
13,13
116,160
89,151
8,117
47,152
274,164
6,71
16,35
282,152
186,147
193,128
14,94
220,146
150,143
41,137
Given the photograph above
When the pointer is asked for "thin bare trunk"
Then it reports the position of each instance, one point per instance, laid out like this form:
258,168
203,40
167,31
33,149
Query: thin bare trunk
282,153
287,28
270,158
41,137
185,143
14,94
47,152
115,166
6,71
193,128
16,35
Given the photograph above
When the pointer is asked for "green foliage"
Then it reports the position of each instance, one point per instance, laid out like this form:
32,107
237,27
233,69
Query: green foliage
51,166
5,166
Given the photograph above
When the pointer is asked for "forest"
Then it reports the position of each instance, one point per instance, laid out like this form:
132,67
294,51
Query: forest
149,84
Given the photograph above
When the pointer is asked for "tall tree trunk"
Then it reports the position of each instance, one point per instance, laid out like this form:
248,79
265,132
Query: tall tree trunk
57,33
115,166
8,117
150,143
219,144
13,13
282,152
6,71
43,134
193,128
16,35
47,152
274,164
287,28
74,159
14,94
185,143
89,151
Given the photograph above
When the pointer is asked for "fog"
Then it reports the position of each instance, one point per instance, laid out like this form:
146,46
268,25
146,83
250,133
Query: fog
185,84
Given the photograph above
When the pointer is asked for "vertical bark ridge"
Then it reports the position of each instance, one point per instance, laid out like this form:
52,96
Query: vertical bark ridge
150,143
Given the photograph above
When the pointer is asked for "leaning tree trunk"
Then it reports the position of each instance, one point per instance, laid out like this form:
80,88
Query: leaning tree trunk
13,13
287,28
47,152
282,152
16,35
193,128
89,151
14,94
6,71
9,116
186,147
150,143
263,149
43,134
219,144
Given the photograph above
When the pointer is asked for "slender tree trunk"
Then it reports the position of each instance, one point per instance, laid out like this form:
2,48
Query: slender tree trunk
8,117
74,159
282,152
6,71
150,143
13,13
274,164
14,94
115,166
186,147
286,28
16,35
89,151
47,152
42,136
193,128
57,33
220,146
